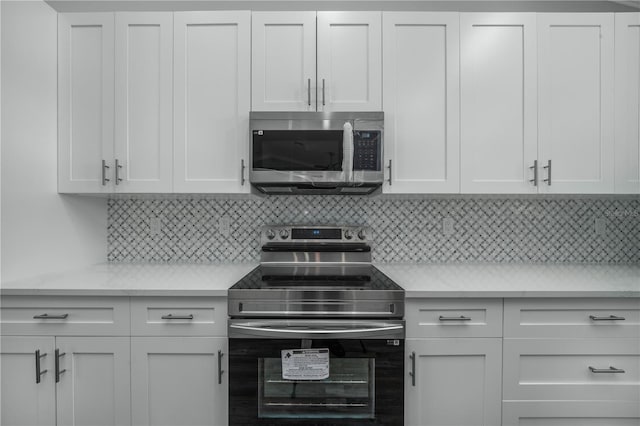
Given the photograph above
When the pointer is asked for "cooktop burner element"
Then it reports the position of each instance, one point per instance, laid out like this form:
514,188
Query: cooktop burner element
311,272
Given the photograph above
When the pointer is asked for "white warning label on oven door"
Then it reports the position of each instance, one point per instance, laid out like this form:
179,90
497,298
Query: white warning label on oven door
305,364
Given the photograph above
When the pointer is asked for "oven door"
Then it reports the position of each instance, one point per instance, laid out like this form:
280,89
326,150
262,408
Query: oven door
316,372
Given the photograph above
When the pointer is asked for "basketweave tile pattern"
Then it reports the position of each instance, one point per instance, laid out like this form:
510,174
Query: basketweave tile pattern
405,230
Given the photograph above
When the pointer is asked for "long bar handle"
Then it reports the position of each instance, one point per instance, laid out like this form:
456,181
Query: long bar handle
242,167
548,179
57,363
220,370
460,318
390,172
412,373
105,179
309,91
39,372
177,317
46,316
609,318
323,92
535,173
606,370
298,332
118,167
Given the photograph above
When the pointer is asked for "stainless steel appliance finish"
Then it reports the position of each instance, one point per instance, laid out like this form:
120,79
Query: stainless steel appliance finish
316,290
308,152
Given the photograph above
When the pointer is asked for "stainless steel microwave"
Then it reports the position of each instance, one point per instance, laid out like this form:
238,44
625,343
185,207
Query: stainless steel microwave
316,152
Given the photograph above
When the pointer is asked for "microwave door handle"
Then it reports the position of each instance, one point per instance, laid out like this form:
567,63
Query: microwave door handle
348,150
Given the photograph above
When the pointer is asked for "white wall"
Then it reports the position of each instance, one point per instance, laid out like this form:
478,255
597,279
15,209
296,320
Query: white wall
41,230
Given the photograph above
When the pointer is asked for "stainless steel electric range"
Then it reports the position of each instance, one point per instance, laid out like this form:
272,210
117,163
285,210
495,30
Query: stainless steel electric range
316,335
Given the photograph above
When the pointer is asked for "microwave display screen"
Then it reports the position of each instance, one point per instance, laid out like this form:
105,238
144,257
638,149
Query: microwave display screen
297,150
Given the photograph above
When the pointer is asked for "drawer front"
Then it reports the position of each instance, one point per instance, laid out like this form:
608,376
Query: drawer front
575,318
65,316
453,318
179,316
570,413
571,369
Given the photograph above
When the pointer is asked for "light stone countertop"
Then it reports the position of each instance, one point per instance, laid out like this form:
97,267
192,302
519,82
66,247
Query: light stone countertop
418,280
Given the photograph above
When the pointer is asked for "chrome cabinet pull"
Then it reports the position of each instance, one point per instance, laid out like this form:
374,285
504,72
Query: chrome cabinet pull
47,316
548,179
535,173
118,167
57,363
38,371
242,167
323,92
412,373
177,317
606,370
460,318
390,170
220,370
105,179
609,318
309,91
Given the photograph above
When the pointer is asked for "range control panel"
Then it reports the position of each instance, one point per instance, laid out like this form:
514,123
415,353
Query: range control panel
367,149
306,234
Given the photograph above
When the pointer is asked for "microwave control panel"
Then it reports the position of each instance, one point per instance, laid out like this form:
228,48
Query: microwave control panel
367,150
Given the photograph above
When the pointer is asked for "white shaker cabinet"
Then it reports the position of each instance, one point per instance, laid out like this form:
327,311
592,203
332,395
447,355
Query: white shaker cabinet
498,123
85,102
212,57
627,113
324,61
421,102
575,102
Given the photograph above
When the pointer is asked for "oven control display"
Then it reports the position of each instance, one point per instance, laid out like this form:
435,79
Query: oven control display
316,234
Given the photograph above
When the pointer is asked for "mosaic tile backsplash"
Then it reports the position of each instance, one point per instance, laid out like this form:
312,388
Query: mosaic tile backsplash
405,230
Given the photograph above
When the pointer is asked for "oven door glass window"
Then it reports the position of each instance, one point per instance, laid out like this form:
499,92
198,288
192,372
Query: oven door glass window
348,392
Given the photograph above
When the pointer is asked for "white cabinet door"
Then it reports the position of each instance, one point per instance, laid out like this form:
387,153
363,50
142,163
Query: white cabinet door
179,380
421,101
498,131
457,382
211,94
627,93
24,401
144,101
94,383
575,102
283,61
349,61
85,102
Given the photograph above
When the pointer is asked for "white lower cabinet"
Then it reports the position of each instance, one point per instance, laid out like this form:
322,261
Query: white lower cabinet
179,380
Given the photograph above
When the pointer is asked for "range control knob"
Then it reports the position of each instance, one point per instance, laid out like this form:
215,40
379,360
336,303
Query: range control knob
271,234
362,234
284,234
348,234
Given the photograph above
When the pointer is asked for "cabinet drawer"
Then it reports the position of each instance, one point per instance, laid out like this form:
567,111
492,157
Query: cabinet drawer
570,413
575,318
454,318
179,316
563,369
65,316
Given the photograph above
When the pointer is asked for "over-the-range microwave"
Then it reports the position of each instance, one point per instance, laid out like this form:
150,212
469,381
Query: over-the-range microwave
316,152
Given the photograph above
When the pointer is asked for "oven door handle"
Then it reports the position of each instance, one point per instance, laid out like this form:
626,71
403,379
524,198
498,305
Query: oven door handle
308,330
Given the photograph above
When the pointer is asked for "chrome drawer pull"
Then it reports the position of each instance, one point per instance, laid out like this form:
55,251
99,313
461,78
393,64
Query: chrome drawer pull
460,318
177,317
47,316
606,370
609,318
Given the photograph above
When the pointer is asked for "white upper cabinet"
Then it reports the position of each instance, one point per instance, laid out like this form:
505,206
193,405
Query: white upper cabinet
85,101
212,56
283,61
627,93
498,132
349,61
341,70
575,102
144,101
421,102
